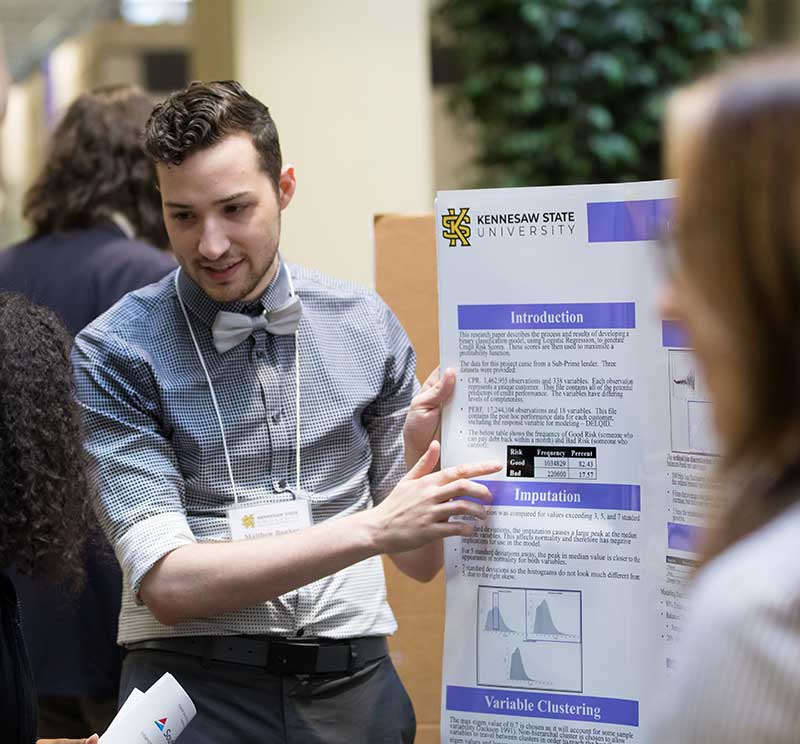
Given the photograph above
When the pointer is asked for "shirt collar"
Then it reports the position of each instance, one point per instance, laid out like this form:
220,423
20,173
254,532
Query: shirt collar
124,224
206,309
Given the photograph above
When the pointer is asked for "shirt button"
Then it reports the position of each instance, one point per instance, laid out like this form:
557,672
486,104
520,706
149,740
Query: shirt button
276,417
281,484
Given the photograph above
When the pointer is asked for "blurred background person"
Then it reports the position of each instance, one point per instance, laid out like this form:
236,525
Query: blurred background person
97,234
733,142
45,490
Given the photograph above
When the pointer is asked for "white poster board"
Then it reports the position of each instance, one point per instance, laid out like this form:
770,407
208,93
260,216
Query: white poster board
563,608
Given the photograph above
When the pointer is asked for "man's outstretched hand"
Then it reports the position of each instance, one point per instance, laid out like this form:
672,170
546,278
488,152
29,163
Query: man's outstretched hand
421,507
423,422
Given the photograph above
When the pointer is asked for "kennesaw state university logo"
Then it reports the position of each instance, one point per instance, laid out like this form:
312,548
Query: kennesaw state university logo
455,226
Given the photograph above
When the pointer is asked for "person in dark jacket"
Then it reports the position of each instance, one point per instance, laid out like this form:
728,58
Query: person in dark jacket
98,233
45,504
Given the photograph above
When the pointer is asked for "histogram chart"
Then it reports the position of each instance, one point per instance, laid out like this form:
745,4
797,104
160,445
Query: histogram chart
530,639
553,616
691,426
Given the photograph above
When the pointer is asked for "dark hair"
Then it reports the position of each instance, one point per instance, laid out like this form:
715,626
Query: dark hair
205,113
96,166
44,518
733,140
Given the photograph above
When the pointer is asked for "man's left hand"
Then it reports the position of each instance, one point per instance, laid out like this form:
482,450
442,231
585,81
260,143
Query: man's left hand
424,419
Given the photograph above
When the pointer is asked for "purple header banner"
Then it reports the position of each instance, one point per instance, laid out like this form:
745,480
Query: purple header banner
684,537
526,317
673,336
562,495
539,705
623,221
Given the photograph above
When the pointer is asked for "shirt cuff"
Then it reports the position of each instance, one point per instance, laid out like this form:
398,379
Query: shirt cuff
147,542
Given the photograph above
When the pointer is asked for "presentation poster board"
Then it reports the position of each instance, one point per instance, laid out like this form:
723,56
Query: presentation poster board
563,607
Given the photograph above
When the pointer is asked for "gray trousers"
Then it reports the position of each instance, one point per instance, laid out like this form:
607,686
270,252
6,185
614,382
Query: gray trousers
246,705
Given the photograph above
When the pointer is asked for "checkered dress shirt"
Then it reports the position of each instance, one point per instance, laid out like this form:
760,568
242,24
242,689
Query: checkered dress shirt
156,451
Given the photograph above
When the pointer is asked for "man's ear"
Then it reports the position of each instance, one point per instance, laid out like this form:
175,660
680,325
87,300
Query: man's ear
286,185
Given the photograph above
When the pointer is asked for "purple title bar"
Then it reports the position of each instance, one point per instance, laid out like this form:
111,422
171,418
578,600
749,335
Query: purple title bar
563,495
686,537
673,336
622,221
526,317
538,705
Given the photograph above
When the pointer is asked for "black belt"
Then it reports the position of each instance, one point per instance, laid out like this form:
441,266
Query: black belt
276,655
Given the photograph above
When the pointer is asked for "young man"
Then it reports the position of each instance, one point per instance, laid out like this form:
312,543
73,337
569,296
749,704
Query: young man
191,390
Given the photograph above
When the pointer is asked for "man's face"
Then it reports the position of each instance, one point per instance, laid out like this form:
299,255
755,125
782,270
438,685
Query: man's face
223,218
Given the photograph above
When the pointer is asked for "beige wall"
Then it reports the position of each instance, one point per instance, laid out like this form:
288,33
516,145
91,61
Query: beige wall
22,142
349,86
108,53
212,34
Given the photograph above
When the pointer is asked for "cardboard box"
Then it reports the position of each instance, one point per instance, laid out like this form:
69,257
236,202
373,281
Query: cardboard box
405,277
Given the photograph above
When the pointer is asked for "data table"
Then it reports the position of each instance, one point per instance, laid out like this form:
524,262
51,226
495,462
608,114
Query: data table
551,463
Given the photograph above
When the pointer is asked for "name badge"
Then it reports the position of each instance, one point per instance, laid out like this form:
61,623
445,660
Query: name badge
268,520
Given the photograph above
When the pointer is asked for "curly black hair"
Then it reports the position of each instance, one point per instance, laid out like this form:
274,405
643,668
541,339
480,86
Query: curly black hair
45,516
96,166
203,114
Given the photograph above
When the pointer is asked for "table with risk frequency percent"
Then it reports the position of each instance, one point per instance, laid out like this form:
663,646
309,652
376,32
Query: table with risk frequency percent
551,462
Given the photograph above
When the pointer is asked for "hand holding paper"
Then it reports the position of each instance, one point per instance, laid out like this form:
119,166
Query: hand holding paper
157,716
423,422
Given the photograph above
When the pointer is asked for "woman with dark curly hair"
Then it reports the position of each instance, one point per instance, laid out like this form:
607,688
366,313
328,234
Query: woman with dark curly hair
45,490
97,229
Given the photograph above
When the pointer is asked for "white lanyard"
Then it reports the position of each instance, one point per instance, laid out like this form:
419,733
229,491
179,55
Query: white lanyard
214,396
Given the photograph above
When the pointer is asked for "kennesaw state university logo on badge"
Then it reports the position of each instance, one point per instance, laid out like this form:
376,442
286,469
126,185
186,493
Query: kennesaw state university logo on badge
455,226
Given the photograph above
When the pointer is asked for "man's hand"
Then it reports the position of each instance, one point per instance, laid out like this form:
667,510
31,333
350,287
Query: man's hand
93,739
418,510
423,422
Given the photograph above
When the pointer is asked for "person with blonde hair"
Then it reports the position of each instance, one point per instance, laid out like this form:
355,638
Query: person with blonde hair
733,143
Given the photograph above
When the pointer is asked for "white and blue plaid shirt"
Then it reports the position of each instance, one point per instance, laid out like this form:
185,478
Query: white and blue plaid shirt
157,456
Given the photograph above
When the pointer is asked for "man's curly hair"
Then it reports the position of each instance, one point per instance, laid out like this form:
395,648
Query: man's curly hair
202,115
45,516
96,166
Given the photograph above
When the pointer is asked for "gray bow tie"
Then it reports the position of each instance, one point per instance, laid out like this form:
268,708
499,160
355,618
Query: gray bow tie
230,329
